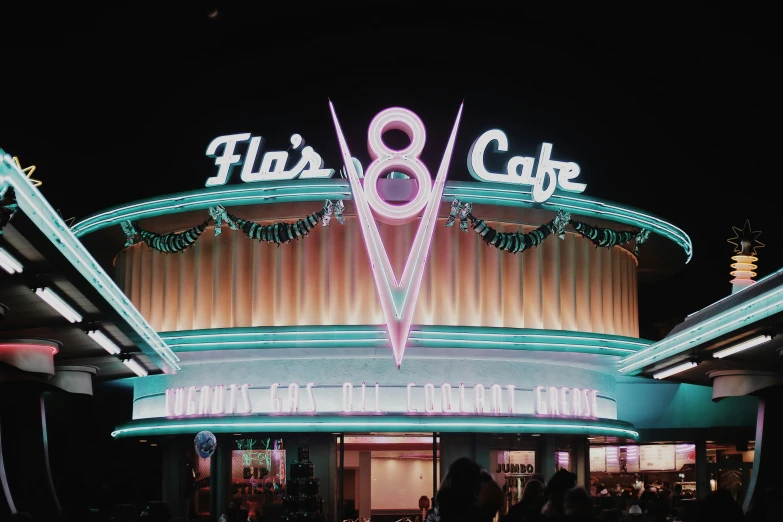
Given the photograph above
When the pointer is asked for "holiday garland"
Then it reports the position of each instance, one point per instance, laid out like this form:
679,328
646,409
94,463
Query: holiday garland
515,242
277,233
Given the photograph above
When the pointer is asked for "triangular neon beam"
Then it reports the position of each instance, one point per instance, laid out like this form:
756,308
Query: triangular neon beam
398,298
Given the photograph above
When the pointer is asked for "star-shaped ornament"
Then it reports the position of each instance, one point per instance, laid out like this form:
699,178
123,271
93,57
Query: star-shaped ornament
746,240
29,171
68,221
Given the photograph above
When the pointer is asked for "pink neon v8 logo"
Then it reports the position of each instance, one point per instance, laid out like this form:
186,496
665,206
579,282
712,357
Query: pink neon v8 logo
405,160
398,297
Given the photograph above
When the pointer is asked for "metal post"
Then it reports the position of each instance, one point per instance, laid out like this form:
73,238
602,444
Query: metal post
434,465
341,505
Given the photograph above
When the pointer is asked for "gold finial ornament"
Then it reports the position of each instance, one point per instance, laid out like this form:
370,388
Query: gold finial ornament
29,171
745,243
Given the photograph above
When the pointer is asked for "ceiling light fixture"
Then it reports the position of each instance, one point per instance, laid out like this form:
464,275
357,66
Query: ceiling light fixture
56,302
104,341
675,369
9,262
137,368
750,343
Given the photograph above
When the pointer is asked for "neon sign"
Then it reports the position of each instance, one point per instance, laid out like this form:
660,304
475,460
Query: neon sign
234,399
273,162
544,181
398,297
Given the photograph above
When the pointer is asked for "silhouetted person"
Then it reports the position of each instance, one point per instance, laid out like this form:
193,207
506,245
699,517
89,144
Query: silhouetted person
766,507
578,506
555,492
458,496
720,506
490,497
529,506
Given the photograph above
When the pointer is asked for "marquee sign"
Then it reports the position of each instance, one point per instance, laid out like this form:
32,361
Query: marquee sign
296,399
398,296
544,181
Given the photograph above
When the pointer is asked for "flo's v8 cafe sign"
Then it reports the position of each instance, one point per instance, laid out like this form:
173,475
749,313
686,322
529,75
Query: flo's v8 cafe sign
542,173
397,293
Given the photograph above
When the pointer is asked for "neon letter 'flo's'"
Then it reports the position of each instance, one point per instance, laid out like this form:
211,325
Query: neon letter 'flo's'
398,298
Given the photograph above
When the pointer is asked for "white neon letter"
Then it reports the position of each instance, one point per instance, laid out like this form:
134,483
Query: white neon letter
293,397
429,397
540,403
205,400
250,159
410,385
563,395
478,398
445,397
192,407
232,398
594,402
377,398
311,397
219,405
462,398
511,389
364,396
553,401
277,404
576,402
586,394
347,396
476,156
247,407
569,171
228,159
545,174
497,398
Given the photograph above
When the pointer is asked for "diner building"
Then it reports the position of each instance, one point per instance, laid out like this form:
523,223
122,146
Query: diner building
343,333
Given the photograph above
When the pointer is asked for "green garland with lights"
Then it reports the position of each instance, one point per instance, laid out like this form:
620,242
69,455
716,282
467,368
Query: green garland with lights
277,233
515,242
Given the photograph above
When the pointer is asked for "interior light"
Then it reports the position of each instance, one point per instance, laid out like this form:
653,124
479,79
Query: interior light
9,262
104,341
142,440
675,369
56,302
135,367
750,343
153,444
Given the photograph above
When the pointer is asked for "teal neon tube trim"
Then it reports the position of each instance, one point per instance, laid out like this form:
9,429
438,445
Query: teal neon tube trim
40,212
319,189
420,336
743,314
248,194
381,423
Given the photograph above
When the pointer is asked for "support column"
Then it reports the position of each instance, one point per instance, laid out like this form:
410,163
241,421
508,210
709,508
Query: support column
221,476
702,473
548,464
365,484
768,456
582,462
323,450
173,476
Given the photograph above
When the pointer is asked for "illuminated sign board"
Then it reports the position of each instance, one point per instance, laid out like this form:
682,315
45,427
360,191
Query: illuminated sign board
397,295
523,170
273,162
293,398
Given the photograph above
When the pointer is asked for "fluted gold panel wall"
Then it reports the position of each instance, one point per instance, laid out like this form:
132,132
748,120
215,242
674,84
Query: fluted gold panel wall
231,281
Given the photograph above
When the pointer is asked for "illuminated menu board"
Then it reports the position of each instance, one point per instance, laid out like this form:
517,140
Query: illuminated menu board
658,457
632,459
685,454
612,459
598,458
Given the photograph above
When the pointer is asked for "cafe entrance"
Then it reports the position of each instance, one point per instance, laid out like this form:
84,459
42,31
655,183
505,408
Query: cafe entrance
386,477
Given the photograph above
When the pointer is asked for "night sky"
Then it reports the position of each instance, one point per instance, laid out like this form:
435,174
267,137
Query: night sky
676,113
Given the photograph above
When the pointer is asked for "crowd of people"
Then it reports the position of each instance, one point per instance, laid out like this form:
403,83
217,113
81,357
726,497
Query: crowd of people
469,494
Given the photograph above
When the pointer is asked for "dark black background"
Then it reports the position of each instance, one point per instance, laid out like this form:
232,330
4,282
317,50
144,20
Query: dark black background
674,111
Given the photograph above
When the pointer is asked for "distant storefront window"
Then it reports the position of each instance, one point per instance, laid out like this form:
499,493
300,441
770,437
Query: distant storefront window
258,472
